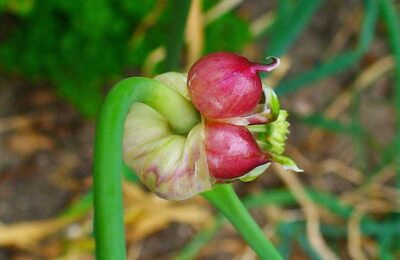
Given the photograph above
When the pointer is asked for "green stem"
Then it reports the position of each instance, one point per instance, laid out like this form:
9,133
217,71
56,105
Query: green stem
225,199
108,164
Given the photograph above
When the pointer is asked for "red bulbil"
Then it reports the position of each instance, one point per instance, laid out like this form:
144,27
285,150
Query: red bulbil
223,85
231,151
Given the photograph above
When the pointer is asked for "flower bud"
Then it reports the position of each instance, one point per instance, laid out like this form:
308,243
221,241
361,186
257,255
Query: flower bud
236,138
223,85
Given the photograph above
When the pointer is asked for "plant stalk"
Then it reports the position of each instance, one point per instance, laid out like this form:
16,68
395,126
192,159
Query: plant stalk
224,198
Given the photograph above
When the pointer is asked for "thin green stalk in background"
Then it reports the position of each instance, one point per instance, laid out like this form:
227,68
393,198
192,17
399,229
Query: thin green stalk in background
340,62
391,20
290,22
174,44
79,207
191,250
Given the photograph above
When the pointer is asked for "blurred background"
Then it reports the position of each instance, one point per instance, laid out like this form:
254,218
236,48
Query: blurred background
339,79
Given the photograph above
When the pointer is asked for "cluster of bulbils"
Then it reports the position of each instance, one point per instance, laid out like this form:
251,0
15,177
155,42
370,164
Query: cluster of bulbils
237,138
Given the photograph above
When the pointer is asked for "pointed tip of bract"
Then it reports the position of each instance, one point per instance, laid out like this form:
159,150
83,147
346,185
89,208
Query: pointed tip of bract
292,168
286,162
253,174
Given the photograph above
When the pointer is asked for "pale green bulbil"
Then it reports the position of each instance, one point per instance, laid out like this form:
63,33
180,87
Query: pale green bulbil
271,137
172,166
277,132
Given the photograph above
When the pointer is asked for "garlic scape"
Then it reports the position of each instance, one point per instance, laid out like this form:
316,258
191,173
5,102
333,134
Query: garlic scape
184,135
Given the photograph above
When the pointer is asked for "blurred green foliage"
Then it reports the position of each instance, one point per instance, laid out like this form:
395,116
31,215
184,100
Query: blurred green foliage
18,7
234,40
74,45
79,46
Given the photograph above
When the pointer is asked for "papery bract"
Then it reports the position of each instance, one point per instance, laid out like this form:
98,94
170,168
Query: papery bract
172,166
223,85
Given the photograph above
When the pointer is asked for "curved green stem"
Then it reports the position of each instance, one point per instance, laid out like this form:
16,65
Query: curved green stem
108,167
225,199
108,164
